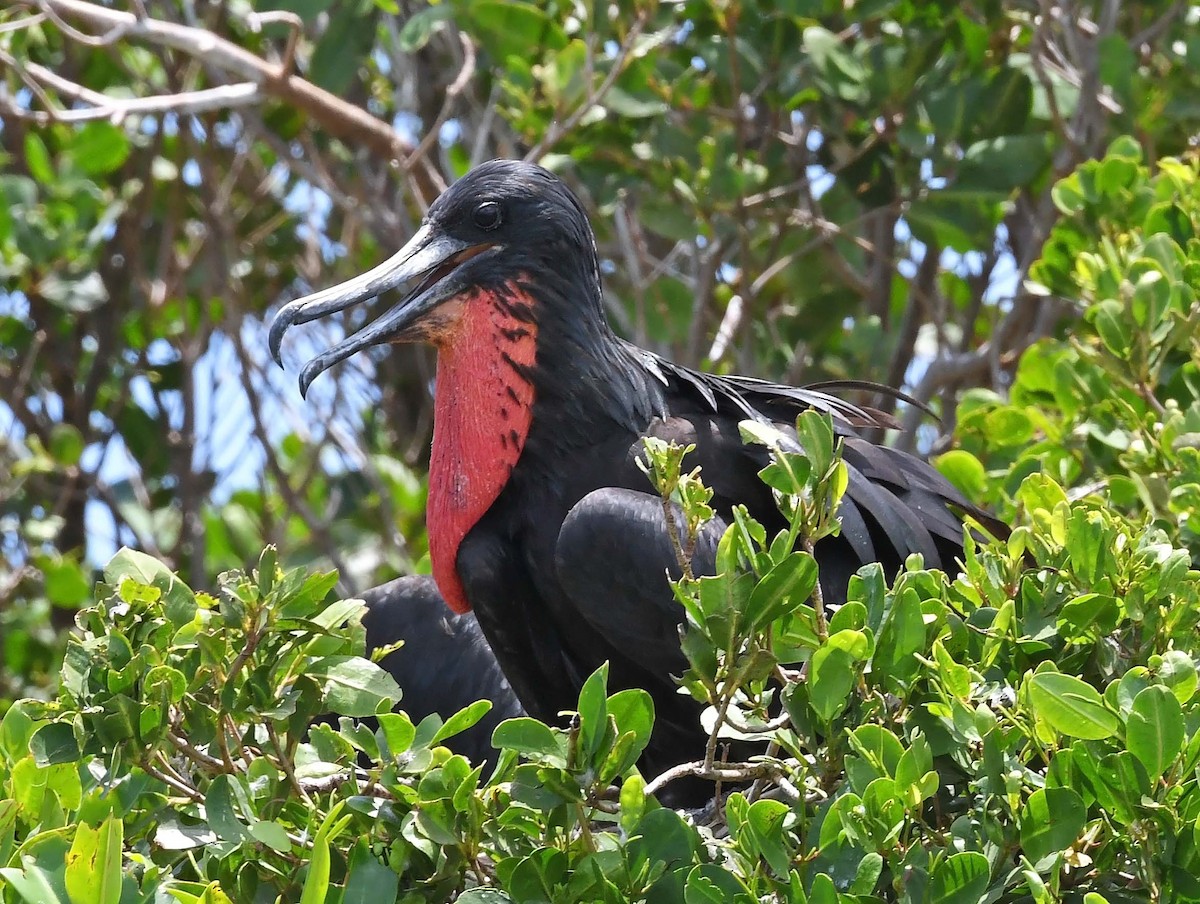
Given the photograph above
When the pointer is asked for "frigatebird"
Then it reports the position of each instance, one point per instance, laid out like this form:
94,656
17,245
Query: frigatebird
539,517
445,662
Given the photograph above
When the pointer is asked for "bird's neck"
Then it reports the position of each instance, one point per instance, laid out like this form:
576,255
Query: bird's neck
483,409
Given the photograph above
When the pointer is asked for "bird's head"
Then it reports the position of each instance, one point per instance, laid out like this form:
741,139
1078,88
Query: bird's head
498,224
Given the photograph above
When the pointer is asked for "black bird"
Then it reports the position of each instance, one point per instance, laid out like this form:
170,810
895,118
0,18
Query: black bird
539,518
445,663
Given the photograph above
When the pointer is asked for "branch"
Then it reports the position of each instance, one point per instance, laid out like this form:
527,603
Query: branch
1155,29
116,109
456,88
558,129
730,772
354,126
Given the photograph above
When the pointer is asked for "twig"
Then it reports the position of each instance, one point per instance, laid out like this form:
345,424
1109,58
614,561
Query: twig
327,783
114,109
198,756
186,790
318,525
558,129
731,772
780,721
818,597
343,120
295,26
1155,29
452,92
22,24
285,762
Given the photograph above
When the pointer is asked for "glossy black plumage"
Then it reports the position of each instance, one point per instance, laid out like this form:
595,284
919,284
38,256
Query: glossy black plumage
445,663
566,569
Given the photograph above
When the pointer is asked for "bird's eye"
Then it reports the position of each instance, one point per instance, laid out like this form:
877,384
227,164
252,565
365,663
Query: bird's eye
487,215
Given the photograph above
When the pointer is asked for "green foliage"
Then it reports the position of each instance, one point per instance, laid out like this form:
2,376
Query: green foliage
1027,730
778,176
1114,408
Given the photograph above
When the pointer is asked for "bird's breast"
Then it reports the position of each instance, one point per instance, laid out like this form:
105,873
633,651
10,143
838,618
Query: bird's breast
483,408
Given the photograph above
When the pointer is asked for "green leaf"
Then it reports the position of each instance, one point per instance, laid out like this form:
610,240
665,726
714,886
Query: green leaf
593,712
1154,730
633,802
959,879
710,883
462,720
219,809
508,28
1089,615
786,586
815,432
36,884
629,106
1071,706
1009,426
914,764
663,837
422,26
833,671
354,686
1178,672
272,834
16,730
765,821
955,677
668,218
900,639
481,896
532,739
398,731
1108,317
53,743
98,148
633,712
93,869
1051,820
867,876
316,883
841,74
66,444
823,890
965,471
879,745
37,159
371,882
66,582
1003,164
180,602
335,63
1040,493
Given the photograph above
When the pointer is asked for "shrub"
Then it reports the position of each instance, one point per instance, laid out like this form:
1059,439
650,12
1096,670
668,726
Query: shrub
1028,730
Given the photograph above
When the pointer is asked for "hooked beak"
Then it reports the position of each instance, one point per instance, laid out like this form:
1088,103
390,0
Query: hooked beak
435,259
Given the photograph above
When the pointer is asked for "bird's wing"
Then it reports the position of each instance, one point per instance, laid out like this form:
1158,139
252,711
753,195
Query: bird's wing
896,504
755,399
613,556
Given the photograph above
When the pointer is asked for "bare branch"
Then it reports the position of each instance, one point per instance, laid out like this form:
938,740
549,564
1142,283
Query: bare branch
117,109
339,118
727,772
22,24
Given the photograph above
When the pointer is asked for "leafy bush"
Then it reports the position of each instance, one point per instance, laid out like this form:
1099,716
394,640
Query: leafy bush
1028,730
